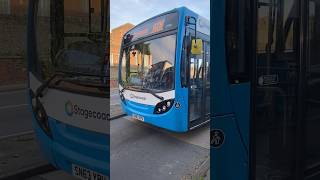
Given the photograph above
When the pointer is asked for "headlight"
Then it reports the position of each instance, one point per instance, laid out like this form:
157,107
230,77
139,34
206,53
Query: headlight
163,107
40,114
122,97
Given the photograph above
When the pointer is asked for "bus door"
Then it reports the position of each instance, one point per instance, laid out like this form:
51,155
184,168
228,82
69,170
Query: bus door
206,88
312,97
198,90
275,108
284,77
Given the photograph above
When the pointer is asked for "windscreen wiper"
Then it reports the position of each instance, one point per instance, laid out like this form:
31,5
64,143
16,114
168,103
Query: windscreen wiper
74,73
81,83
45,85
124,87
154,94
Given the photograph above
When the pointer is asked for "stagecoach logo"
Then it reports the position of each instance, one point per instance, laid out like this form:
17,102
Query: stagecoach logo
217,138
132,96
68,108
74,109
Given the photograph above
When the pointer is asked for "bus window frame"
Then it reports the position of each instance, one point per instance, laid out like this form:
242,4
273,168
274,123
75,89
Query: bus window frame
242,41
103,4
145,39
35,66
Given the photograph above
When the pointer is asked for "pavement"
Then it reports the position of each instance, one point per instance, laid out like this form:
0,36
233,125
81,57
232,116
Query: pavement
15,116
20,154
207,177
13,87
19,151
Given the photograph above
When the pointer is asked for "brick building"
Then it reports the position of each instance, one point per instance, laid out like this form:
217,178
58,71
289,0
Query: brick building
73,7
13,23
115,42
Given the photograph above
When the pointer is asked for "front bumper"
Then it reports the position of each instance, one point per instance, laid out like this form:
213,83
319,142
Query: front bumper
175,119
65,149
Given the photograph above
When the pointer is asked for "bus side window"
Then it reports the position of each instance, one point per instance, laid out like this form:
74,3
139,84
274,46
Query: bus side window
238,64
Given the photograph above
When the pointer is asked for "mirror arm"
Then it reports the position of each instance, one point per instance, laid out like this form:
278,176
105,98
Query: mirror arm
195,27
188,53
188,48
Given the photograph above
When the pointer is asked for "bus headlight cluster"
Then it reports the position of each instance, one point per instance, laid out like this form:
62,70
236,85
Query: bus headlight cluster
164,106
40,114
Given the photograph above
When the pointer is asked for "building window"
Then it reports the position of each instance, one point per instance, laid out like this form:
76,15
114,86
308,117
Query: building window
111,59
44,8
5,7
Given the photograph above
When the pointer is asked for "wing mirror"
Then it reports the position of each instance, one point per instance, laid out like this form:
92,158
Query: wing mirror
196,46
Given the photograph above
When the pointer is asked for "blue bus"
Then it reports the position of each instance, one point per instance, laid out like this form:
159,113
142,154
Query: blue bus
68,84
265,90
164,76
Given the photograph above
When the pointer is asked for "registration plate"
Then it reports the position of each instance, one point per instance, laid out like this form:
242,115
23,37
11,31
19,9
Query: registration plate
87,174
137,117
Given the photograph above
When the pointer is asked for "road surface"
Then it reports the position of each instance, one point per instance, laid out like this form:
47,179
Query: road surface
15,116
140,151
16,119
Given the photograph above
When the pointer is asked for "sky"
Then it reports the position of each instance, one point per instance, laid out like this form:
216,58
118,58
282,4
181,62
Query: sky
136,11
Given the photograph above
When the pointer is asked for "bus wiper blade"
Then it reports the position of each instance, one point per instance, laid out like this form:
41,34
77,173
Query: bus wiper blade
154,94
45,85
124,87
74,73
77,82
